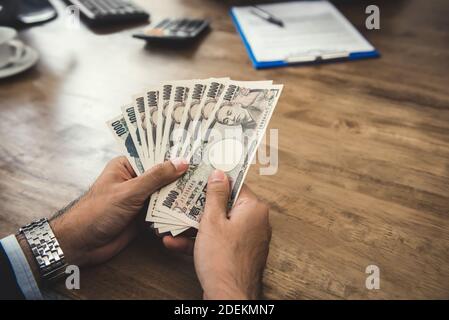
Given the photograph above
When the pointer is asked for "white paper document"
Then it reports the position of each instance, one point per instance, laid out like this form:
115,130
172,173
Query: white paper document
311,29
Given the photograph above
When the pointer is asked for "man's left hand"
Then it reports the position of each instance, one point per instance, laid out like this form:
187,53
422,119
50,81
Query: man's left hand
104,220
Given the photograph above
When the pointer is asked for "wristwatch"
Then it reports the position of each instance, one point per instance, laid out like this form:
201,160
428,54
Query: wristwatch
45,249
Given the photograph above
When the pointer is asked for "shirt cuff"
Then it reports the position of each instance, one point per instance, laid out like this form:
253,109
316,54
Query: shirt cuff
21,268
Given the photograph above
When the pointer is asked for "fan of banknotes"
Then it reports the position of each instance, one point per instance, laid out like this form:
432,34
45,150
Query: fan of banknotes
214,123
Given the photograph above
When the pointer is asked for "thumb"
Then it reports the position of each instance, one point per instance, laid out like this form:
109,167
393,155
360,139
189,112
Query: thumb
217,195
158,176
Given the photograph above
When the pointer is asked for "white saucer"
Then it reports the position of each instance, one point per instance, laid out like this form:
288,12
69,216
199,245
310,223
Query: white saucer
29,59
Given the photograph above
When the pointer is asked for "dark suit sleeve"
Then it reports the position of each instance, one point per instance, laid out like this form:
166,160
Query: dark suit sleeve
9,289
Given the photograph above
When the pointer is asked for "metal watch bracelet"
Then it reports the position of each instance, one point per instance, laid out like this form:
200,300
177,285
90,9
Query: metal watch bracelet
45,249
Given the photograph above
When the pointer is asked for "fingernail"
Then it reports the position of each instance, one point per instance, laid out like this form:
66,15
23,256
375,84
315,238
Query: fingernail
180,164
217,176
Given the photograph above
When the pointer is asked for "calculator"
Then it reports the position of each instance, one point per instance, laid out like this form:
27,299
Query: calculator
174,30
109,12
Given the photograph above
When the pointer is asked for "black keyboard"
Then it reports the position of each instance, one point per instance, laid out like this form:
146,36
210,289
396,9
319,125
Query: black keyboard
109,12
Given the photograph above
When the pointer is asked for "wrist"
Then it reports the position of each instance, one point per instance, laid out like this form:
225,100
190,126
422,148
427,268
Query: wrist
63,234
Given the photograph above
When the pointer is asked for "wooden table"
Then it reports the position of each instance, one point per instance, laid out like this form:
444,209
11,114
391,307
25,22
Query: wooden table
363,149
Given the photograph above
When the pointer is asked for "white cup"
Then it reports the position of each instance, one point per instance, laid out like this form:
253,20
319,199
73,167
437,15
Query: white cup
11,49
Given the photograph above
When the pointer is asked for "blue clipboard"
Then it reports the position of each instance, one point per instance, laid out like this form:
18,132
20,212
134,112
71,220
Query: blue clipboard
283,63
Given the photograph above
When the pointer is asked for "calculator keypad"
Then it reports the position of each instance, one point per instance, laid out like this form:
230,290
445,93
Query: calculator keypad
177,28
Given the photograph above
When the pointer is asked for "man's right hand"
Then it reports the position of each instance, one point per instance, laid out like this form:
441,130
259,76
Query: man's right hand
231,250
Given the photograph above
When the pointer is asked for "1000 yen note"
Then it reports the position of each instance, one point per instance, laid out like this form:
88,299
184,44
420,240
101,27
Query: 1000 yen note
193,115
171,221
181,132
152,101
176,230
189,120
166,94
175,113
167,225
139,110
200,113
129,114
234,130
121,134
167,90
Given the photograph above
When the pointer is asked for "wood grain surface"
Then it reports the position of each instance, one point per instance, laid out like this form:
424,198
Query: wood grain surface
363,173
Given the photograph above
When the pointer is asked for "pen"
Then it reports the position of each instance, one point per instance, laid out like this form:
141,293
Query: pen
261,13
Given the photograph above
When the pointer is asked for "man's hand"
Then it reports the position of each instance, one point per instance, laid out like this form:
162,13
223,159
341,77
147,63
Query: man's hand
231,249
104,220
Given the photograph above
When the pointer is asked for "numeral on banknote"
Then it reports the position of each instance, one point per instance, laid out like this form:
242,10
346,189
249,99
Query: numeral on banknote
119,128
